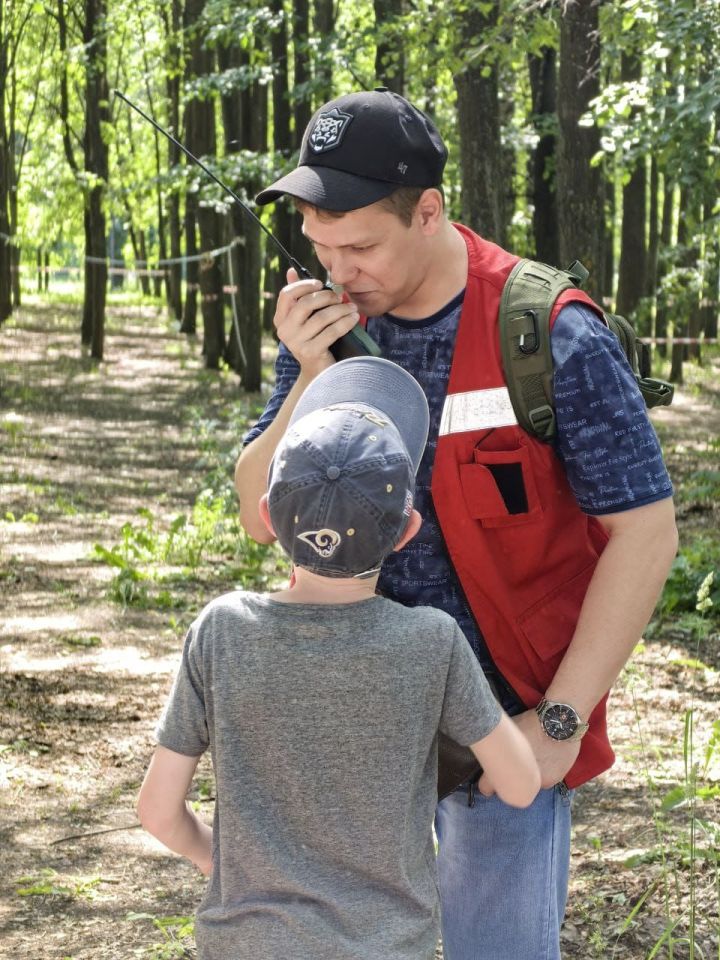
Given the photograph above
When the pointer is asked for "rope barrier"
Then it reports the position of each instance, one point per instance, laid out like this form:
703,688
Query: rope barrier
206,255
117,268
678,340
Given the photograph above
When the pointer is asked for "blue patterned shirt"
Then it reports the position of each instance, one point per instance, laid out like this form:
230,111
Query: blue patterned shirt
604,439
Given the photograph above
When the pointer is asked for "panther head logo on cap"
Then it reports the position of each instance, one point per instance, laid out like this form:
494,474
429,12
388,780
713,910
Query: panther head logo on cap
328,130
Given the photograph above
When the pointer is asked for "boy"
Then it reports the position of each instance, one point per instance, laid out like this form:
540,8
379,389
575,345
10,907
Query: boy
322,705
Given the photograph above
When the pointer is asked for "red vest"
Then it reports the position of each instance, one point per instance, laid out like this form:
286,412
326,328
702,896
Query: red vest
524,574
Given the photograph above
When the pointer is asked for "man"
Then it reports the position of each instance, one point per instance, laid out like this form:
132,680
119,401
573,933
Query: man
550,558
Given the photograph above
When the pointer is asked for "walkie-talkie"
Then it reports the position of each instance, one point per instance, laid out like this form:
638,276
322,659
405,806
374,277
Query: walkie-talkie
356,343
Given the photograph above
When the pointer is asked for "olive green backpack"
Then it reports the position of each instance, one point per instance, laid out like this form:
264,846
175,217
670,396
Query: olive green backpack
525,308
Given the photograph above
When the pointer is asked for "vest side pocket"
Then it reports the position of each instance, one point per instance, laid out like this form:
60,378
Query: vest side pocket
549,624
499,488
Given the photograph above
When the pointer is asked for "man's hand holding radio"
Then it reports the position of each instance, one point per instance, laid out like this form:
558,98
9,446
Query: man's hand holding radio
309,318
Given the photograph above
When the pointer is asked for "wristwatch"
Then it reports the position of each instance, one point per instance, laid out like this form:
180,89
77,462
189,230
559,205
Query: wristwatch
560,721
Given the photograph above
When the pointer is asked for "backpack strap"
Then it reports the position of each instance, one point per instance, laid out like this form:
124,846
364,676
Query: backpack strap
526,304
655,393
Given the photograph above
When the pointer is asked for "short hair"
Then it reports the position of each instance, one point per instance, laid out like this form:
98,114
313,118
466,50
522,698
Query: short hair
402,202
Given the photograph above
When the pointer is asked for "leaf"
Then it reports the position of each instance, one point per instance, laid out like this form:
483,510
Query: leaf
674,798
691,663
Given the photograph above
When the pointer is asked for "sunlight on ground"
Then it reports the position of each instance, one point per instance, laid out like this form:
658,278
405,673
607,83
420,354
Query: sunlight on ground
44,552
52,621
130,661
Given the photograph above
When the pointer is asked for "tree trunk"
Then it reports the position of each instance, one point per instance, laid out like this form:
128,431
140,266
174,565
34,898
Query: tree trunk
390,48
324,24
610,219
172,19
189,317
15,247
252,252
200,120
275,266
662,317
581,214
709,303
5,253
543,84
481,157
685,310
633,257
246,128
302,109
651,272
692,260
137,239
97,115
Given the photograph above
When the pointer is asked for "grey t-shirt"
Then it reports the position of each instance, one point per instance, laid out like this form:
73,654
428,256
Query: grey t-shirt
322,721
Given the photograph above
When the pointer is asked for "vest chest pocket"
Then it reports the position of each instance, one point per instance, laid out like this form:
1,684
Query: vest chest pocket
499,487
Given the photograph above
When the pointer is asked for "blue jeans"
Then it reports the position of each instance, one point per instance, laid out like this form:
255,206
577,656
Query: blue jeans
503,876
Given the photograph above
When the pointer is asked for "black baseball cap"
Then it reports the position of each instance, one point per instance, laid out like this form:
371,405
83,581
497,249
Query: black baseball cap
359,148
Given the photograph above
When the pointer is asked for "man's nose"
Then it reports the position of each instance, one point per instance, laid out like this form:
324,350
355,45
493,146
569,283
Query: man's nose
341,268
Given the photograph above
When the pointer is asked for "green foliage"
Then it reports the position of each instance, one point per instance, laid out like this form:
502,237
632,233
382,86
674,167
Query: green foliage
78,640
689,571
152,553
177,932
701,486
46,884
687,835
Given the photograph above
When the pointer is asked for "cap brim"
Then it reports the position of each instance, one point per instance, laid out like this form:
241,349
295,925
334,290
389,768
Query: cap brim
376,383
328,189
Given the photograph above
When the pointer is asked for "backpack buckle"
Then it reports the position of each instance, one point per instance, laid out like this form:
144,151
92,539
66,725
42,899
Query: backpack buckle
542,420
656,393
534,337
578,273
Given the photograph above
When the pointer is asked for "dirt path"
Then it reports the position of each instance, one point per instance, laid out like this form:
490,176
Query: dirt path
83,679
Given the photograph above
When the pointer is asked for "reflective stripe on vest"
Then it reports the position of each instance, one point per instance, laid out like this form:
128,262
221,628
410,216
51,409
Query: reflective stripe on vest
477,410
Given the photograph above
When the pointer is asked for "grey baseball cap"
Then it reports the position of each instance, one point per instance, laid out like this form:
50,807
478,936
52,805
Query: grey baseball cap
342,481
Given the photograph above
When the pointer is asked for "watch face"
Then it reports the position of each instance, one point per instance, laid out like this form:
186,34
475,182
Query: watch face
560,721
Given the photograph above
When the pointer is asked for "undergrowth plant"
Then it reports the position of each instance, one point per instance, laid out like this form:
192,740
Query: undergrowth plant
154,553
687,834
177,933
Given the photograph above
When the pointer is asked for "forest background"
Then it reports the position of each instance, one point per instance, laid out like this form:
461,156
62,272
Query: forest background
136,345
577,130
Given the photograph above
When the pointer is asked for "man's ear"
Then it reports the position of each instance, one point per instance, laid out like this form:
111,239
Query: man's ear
413,525
430,211
265,513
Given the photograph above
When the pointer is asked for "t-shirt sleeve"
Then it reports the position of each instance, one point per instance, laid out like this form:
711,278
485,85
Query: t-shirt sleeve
470,711
605,439
287,370
183,725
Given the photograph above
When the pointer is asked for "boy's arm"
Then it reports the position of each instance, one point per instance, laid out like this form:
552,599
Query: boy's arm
309,319
509,766
164,813
251,470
